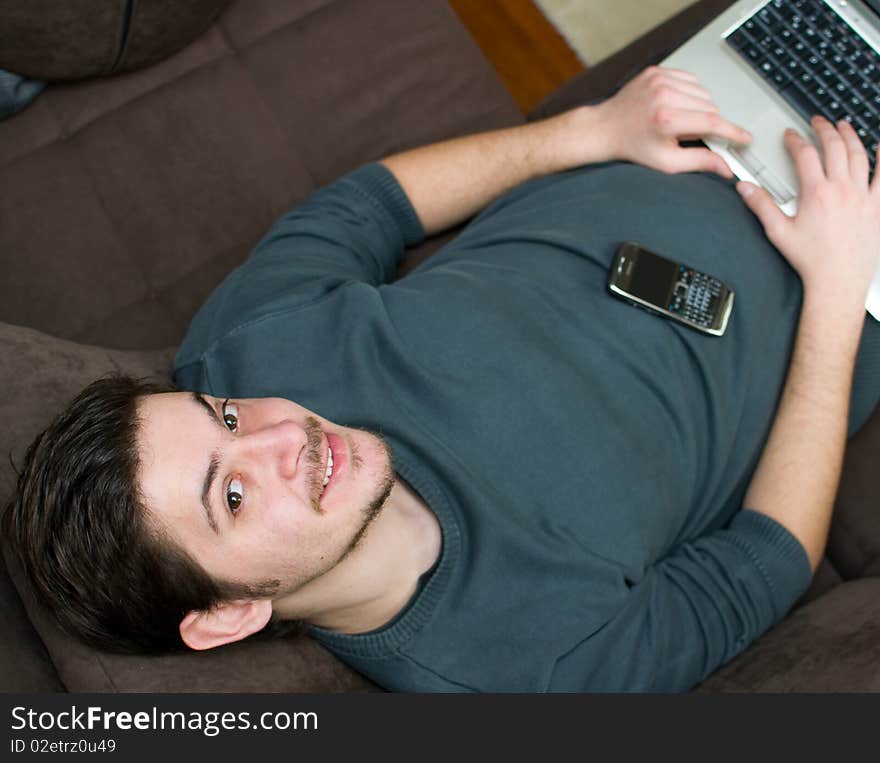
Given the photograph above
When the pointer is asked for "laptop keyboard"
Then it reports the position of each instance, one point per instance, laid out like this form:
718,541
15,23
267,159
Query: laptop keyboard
817,62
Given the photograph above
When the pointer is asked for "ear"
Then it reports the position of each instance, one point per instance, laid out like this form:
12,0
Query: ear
228,622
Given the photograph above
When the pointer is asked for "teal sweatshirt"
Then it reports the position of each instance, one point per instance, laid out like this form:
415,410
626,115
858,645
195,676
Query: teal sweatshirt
586,461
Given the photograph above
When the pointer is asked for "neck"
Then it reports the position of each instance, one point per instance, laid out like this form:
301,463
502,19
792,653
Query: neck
376,580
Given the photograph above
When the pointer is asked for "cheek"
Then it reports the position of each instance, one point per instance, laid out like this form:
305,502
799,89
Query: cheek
279,511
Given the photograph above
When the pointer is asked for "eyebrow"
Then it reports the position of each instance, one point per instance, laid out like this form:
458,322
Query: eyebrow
213,464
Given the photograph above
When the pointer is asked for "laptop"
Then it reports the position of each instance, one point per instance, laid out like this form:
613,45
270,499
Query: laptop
772,64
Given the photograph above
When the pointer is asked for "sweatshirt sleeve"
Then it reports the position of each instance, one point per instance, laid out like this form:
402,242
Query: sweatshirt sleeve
692,612
353,230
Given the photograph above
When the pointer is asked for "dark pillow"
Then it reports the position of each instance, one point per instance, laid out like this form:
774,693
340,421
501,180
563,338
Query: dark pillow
74,39
42,374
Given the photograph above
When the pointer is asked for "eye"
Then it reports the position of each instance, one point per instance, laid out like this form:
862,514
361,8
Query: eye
234,495
230,415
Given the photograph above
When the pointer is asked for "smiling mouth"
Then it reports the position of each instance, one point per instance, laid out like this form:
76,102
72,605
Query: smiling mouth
329,471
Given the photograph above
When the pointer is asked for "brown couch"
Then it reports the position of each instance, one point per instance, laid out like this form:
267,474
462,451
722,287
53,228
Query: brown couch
125,199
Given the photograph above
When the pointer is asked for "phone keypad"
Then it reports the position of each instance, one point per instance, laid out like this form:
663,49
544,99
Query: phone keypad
695,296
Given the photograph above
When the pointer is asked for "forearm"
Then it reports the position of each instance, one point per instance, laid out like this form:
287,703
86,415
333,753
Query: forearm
797,477
449,182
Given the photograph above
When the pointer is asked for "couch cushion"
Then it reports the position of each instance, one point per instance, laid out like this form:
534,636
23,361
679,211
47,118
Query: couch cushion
43,373
134,195
45,39
26,666
854,541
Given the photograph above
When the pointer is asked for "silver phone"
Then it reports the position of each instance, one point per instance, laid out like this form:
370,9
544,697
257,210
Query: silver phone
671,289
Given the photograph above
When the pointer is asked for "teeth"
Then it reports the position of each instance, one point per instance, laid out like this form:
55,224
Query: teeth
329,466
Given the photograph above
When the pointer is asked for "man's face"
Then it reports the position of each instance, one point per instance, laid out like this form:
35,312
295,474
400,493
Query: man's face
240,486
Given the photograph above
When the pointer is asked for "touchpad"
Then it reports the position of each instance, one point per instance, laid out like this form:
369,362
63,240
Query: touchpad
769,145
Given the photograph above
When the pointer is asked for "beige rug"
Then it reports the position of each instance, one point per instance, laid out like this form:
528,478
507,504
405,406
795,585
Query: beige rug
597,28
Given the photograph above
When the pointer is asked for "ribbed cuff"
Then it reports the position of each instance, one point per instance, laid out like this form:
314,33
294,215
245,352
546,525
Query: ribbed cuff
377,183
777,554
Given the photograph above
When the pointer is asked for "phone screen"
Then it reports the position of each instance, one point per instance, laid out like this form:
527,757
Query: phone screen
653,278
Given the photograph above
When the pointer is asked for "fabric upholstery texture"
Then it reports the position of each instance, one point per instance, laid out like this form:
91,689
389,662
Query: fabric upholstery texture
135,194
45,39
829,645
128,198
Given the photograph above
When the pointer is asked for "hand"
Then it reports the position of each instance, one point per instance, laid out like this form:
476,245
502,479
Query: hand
834,240
646,118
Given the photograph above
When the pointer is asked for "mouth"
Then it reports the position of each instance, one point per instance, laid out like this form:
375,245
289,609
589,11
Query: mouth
333,466
328,464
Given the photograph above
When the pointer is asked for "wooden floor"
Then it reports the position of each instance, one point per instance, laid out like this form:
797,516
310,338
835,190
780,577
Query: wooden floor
530,56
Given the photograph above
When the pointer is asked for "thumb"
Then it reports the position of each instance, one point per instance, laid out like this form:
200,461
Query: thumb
758,200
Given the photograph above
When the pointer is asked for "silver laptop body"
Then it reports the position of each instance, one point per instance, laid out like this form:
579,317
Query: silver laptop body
744,98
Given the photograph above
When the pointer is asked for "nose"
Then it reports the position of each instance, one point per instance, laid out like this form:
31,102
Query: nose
277,447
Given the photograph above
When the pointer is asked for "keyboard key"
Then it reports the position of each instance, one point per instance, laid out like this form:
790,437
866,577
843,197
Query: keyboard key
780,78
815,61
739,39
799,100
753,53
806,81
833,110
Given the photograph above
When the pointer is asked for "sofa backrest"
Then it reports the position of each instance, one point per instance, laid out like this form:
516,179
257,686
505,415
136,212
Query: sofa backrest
127,199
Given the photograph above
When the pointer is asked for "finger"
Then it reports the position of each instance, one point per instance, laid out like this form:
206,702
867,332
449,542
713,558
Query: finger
700,123
690,102
875,183
836,160
678,73
806,159
858,157
698,160
774,221
685,87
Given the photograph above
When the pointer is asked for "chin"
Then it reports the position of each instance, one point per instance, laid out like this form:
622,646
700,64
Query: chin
372,455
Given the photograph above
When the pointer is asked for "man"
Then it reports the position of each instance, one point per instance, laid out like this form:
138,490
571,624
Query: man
490,475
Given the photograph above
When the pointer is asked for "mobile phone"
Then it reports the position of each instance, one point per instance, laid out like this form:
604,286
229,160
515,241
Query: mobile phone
671,289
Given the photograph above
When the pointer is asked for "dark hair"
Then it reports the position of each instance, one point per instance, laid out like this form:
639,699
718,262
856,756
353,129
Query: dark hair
78,524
